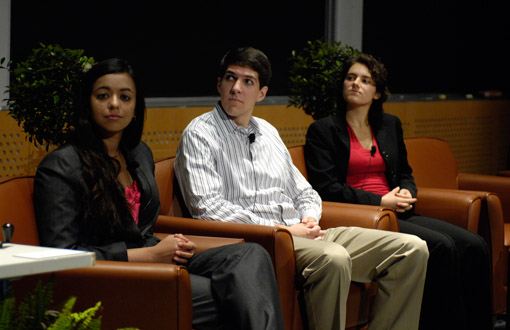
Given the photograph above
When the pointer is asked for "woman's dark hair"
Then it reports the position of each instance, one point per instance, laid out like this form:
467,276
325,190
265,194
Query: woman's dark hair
249,57
133,132
105,206
379,76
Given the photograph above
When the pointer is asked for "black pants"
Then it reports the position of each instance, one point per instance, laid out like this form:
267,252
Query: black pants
234,287
458,284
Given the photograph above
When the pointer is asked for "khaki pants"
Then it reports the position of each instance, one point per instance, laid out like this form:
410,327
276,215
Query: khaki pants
398,263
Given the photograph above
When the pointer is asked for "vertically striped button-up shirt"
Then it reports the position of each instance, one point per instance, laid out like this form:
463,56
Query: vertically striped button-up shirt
225,177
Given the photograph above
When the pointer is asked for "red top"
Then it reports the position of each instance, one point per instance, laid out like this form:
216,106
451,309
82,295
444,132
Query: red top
366,171
133,198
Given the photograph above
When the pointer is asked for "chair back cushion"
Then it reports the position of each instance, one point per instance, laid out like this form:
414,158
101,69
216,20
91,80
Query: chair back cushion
298,158
433,163
17,207
170,196
164,171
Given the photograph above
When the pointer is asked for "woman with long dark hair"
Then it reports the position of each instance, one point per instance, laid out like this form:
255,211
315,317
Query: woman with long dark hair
359,156
98,193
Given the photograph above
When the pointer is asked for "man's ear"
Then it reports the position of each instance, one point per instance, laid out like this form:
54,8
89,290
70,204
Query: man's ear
218,84
262,93
377,96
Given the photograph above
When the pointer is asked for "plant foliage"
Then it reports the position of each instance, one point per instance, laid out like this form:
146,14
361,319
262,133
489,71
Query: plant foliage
80,321
33,313
43,90
6,312
315,76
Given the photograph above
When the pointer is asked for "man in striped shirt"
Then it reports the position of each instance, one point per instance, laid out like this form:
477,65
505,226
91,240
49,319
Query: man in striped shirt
234,167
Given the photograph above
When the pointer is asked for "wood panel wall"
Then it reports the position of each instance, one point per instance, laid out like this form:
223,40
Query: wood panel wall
478,131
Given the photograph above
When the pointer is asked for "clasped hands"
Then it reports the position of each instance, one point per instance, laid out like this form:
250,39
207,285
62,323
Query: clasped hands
307,228
175,249
398,199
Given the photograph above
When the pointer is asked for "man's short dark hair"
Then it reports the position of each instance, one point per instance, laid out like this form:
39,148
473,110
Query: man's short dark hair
248,57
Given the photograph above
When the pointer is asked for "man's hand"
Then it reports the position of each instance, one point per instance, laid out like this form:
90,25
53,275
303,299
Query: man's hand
398,199
307,228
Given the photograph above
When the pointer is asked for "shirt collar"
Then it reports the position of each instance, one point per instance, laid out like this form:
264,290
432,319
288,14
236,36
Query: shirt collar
231,126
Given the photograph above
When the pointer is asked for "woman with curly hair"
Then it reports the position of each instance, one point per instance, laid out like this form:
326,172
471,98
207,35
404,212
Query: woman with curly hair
359,156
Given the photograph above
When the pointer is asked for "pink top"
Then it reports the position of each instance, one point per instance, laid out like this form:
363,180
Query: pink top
133,198
366,171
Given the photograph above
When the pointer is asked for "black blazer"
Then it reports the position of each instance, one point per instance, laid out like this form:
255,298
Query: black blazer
58,189
327,153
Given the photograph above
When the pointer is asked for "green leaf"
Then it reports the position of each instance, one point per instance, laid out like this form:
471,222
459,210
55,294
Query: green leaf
43,88
314,76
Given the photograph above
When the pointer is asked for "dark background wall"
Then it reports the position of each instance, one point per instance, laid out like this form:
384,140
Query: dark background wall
428,46
440,45
174,45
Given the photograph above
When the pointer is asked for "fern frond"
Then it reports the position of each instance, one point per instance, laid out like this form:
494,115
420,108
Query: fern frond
31,313
7,313
64,320
84,319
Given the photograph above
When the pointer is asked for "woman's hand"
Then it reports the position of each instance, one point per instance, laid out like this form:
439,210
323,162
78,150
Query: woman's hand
186,249
399,200
165,250
172,249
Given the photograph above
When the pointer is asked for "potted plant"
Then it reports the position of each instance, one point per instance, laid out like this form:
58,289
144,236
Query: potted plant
42,91
314,77
34,312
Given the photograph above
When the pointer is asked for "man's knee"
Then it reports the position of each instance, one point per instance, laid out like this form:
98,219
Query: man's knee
330,259
417,246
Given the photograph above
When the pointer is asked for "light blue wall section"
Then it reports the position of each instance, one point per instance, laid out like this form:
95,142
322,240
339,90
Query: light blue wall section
344,22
